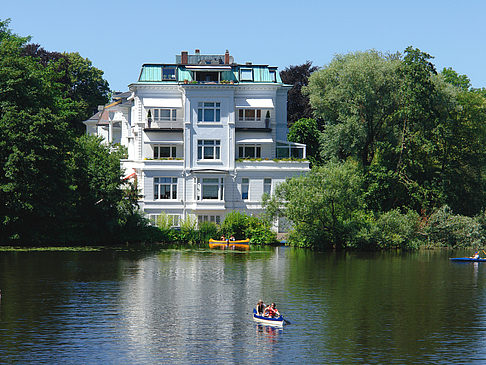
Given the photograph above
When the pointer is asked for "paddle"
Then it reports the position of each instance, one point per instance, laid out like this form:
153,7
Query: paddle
286,322
483,251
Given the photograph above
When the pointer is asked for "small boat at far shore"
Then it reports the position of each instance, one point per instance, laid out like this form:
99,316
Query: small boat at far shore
241,245
277,321
470,259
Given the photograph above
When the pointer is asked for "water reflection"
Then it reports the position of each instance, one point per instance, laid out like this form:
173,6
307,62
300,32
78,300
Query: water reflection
194,306
268,333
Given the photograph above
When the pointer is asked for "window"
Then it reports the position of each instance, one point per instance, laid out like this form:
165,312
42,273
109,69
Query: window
171,220
209,188
168,73
245,187
207,76
286,150
209,218
164,115
246,74
249,115
208,149
249,151
208,112
273,76
164,151
267,186
165,188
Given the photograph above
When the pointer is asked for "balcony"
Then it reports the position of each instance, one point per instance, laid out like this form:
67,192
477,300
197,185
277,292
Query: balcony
253,126
164,126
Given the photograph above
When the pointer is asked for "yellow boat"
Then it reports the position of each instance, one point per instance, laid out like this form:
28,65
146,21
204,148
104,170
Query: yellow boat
241,245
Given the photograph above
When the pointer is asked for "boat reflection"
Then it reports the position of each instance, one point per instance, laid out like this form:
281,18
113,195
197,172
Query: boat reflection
269,333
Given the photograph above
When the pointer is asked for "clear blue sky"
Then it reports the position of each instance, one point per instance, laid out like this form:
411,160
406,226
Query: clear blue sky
118,37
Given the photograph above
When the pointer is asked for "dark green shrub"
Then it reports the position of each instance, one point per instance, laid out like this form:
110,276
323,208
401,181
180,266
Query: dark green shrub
208,230
235,224
446,229
259,232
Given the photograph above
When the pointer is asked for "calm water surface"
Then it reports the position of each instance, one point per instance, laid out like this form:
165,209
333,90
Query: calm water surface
193,307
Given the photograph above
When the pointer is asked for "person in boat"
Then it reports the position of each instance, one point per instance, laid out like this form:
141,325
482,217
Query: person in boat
476,255
223,238
271,311
232,238
260,307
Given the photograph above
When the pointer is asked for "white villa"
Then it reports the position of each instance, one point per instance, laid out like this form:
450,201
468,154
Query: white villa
205,136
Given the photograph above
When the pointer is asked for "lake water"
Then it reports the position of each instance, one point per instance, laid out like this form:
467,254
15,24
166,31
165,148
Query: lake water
183,306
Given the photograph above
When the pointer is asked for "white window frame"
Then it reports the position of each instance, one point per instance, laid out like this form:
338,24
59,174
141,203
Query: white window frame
244,74
244,115
267,185
175,219
157,115
257,150
209,218
214,106
201,182
245,188
157,154
171,182
287,149
204,145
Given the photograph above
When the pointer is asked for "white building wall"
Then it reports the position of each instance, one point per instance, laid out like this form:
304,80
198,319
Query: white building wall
140,147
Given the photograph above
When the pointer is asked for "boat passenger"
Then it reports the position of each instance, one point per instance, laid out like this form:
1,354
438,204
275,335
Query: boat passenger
271,311
260,308
232,238
223,238
476,255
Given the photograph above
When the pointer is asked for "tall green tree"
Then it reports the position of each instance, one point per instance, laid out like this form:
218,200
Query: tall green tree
324,206
355,98
54,188
34,143
297,104
77,78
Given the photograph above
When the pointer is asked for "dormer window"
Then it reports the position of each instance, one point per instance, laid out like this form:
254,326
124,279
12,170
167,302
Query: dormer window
273,76
207,76
168,73
246,74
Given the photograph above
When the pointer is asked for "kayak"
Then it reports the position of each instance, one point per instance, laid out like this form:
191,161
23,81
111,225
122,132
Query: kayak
278,321
241,245
467,259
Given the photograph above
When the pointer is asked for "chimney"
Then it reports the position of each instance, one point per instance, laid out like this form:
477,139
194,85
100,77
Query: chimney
197,51
226,58
184,57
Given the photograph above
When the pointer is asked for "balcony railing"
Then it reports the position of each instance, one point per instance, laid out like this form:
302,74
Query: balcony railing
165,125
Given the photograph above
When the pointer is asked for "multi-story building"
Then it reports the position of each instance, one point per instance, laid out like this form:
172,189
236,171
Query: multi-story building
205,136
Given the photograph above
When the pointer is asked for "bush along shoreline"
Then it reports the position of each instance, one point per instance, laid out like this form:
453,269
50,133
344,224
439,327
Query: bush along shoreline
236,224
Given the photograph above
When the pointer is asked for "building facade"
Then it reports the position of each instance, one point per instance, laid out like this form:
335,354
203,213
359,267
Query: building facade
205,136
